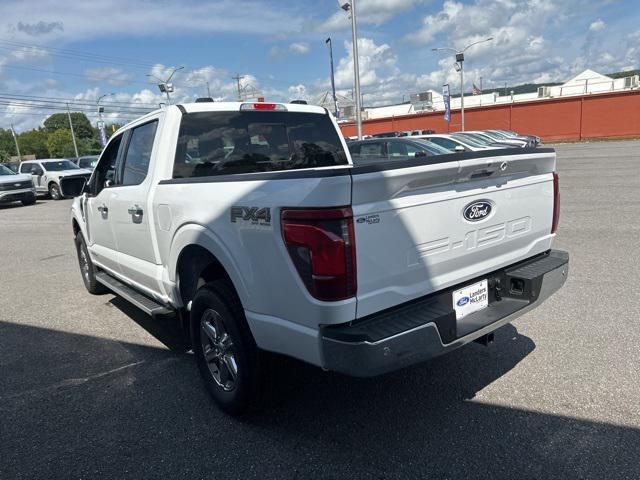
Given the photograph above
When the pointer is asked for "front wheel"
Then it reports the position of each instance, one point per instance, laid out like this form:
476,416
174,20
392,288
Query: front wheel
87,268
54,192
225,351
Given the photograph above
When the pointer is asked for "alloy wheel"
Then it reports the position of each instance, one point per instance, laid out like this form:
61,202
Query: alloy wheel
218,350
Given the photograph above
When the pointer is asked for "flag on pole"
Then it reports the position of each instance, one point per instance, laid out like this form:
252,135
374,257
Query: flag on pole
102,134
446,96
476,90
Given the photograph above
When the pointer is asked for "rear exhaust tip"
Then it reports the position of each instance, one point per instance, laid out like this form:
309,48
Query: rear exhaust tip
485,340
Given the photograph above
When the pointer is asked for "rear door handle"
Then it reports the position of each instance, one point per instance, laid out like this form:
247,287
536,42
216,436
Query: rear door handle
135,211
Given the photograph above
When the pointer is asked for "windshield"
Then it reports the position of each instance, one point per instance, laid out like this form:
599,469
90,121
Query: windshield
222,143
6,171
476,138
88,162
432,147
467,140
497,135
59,165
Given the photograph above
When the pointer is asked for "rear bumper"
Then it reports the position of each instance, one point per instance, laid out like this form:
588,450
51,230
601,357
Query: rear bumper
17,195
426,328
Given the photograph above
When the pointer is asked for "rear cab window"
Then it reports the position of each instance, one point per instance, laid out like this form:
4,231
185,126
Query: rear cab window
223,143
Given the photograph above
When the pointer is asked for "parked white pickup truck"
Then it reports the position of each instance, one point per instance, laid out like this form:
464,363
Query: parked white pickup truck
250,223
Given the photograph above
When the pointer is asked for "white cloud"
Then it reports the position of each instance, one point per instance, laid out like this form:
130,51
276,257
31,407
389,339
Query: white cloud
72,20
299,48
372,59
372,12
597,25
110,75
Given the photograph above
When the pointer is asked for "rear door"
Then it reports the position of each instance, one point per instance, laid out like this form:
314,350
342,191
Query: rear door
413,237
131,216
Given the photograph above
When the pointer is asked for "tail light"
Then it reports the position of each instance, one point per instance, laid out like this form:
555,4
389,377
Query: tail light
321,244
556,203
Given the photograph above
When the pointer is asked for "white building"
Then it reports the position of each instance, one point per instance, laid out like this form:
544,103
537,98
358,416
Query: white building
585,83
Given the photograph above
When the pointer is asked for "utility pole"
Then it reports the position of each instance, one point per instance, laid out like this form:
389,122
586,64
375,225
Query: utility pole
333,82
237,78
15,139
73,135
208,91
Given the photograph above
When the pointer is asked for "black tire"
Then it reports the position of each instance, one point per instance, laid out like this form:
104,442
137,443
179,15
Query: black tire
54,191
219,297
87,268
31,201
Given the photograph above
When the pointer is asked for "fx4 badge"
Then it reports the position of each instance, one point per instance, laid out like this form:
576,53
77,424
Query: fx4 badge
255,215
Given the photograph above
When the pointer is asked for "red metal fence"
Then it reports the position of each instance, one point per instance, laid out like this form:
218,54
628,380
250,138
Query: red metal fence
603,115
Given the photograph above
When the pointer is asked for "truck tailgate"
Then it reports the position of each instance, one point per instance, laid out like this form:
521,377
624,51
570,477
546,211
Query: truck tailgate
420,228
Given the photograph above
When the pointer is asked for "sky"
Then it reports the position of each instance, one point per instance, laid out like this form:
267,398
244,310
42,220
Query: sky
68,50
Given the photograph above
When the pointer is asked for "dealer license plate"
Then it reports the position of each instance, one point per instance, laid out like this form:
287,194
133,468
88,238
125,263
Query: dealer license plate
470,299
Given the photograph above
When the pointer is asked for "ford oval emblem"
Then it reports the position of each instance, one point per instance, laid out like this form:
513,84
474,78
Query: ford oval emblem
463,301
476,211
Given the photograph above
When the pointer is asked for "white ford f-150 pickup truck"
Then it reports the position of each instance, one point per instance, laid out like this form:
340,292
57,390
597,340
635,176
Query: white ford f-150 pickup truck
250,223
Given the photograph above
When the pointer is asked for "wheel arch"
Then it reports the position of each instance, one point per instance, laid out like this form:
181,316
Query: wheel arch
197,256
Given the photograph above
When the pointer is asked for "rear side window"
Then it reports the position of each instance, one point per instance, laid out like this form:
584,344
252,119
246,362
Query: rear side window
374,149
138,156
223,143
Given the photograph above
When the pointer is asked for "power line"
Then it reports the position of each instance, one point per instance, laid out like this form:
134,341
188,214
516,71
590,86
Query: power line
68,53
71,74
64,99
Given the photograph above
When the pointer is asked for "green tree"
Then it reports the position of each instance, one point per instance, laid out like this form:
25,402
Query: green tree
60,144
34,142
89,146
60,121
7,144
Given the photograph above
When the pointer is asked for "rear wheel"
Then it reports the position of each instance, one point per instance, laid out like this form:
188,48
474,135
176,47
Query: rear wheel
54,192
87,268
225,351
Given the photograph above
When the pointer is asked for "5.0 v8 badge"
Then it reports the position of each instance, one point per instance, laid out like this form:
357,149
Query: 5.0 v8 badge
255,215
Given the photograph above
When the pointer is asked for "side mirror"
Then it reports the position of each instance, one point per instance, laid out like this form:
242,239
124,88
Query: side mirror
459,148
420,154
73,185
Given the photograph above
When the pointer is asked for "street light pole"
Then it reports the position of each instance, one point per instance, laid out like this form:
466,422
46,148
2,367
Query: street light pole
351,6
333,81
460,63
103,135
164,85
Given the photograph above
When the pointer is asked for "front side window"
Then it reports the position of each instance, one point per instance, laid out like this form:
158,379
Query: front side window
105,172
138,156
32,168
397,149
222,143
59,165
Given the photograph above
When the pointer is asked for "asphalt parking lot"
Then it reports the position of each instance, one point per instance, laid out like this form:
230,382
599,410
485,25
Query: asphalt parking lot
90,388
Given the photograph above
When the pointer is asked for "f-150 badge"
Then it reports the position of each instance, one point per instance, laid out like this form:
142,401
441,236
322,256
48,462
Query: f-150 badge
255,215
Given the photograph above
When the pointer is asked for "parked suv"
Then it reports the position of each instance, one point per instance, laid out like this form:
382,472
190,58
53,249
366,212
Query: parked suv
15,187
46,174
